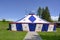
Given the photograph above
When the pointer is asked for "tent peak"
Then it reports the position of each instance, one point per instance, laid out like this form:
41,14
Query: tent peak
31,14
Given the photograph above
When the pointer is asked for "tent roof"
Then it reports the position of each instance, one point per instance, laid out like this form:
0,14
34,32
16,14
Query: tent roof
31,18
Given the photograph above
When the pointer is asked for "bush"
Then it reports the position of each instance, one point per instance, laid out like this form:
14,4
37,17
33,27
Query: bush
3,20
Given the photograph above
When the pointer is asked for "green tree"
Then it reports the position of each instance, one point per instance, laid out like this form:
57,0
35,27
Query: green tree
43,14
39,12
58,24
3,20
59,18
46,14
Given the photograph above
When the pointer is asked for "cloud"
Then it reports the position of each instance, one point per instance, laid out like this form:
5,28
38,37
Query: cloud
33,11
54,17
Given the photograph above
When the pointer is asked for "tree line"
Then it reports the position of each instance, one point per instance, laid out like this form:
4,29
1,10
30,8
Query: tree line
44,13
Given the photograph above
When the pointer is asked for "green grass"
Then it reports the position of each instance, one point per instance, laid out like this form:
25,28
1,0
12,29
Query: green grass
10,35
4,25
50,35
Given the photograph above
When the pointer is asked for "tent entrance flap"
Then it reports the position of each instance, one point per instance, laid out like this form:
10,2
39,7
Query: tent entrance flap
32,26
19,27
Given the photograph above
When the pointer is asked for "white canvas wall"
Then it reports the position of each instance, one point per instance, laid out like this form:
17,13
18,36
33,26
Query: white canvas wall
39,27
13,27
50,28
25,27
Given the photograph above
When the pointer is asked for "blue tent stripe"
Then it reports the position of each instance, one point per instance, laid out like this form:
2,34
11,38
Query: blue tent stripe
54,27
45,27
32,26
19,27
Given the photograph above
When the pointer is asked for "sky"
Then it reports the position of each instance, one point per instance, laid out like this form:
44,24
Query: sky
17,9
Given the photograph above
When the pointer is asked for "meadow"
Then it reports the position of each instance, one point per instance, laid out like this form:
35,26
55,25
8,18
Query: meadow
50,35
10,35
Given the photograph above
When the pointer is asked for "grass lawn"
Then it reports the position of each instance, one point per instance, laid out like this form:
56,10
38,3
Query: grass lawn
10,35
50,35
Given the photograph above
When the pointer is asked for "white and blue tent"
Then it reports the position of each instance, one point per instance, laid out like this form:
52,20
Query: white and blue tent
32,22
